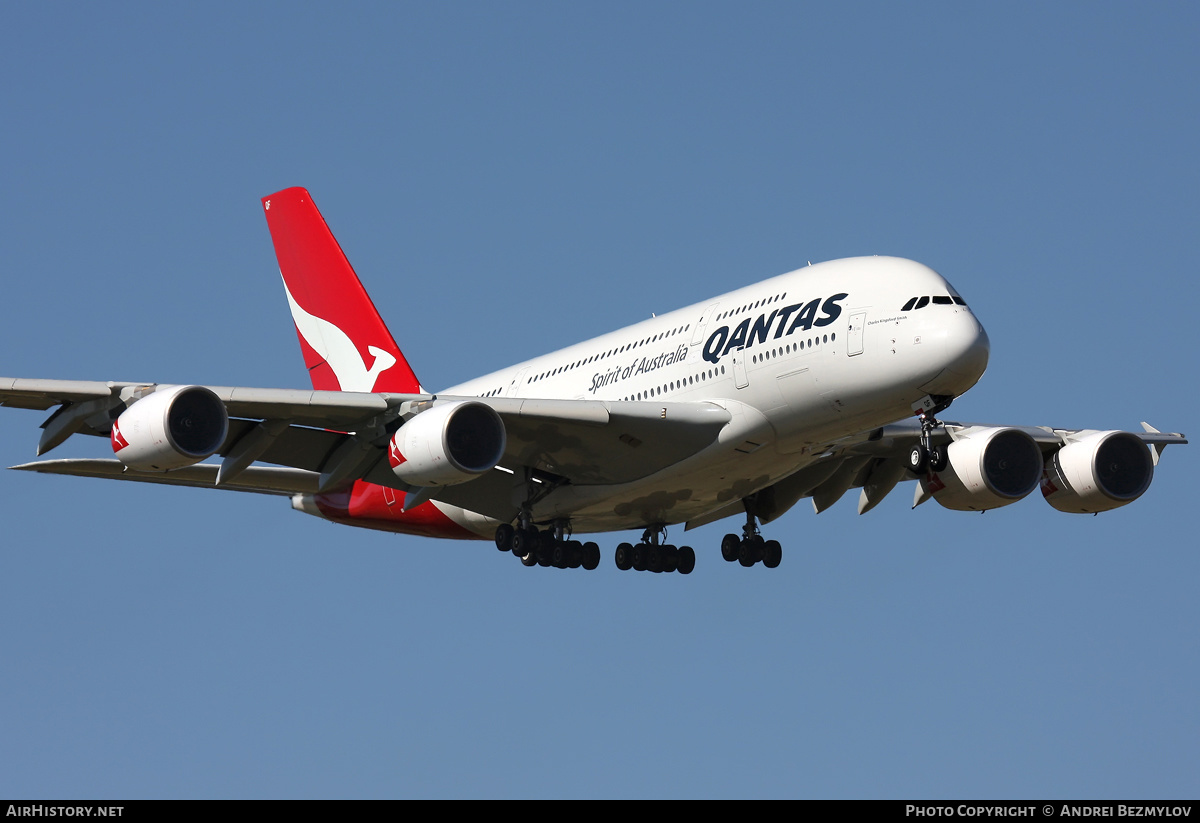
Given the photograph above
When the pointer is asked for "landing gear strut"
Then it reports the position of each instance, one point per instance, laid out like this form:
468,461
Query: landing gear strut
652,555
751,548
924,456
548,547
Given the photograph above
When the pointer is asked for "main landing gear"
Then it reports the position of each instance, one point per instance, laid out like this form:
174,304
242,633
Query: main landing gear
651,555
751,548
547,548
551,547
924,457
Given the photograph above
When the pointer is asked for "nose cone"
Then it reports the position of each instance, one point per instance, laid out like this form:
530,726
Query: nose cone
967,349
964,350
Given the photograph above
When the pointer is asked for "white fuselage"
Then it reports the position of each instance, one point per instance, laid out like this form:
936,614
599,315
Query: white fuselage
800,361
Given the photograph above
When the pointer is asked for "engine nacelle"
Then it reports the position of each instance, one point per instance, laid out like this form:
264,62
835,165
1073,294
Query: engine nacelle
1098,472
171,428
987,468
448,444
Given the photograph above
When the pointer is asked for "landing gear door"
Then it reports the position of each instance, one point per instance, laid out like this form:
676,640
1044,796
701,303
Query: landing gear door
858,324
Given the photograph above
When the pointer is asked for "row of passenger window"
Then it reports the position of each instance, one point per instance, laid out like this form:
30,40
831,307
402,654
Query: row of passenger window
627,347
761,357
770,354
690,380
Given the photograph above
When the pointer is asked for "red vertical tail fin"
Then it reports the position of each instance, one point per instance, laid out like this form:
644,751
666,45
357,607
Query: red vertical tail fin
345,343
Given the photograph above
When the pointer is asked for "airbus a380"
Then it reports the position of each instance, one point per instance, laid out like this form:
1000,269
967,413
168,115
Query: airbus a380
809,384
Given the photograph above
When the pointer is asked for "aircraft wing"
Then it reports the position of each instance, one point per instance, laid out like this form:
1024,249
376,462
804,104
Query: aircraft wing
877,461
592,442
45,394
332,438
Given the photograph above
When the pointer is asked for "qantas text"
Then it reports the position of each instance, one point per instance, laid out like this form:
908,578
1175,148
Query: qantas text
721,342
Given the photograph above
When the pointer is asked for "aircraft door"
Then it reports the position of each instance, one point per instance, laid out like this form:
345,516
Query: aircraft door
740,378
854,342
702,324
516,382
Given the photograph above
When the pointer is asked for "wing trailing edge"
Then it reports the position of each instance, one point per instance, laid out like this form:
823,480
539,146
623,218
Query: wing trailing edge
259,479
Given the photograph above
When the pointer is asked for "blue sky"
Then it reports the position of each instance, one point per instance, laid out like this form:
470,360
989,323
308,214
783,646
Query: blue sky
511,178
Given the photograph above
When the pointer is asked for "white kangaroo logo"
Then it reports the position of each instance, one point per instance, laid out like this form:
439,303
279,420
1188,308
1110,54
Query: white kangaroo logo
338,350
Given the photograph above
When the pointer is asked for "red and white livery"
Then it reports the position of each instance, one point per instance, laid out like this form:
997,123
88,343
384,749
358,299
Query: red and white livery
825,379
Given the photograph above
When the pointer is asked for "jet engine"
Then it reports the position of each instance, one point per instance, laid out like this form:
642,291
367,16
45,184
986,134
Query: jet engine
987,468
448,444
1097,472
171,428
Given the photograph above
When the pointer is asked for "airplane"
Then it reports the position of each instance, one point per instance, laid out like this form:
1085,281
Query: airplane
825,379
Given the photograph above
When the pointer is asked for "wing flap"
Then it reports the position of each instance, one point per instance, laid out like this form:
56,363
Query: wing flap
259,479
595,443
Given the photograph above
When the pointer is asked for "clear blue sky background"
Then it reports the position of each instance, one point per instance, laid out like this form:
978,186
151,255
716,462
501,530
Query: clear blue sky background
510,178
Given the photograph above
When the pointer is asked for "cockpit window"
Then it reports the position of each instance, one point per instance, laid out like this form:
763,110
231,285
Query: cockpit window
939,299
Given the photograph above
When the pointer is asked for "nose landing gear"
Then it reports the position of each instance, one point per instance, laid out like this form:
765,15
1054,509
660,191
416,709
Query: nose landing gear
924,457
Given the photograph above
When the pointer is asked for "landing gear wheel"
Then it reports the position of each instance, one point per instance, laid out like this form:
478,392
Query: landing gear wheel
918,460
574,554
624,557
772,554
751,551
639,557
687,560
939,458
524,541
591,556
670,559
654,558
730,545
529,560
504,536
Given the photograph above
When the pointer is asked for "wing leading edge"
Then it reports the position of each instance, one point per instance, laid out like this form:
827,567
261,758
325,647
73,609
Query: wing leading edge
339,437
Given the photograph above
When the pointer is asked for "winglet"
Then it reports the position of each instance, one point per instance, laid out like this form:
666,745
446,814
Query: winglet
346,345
